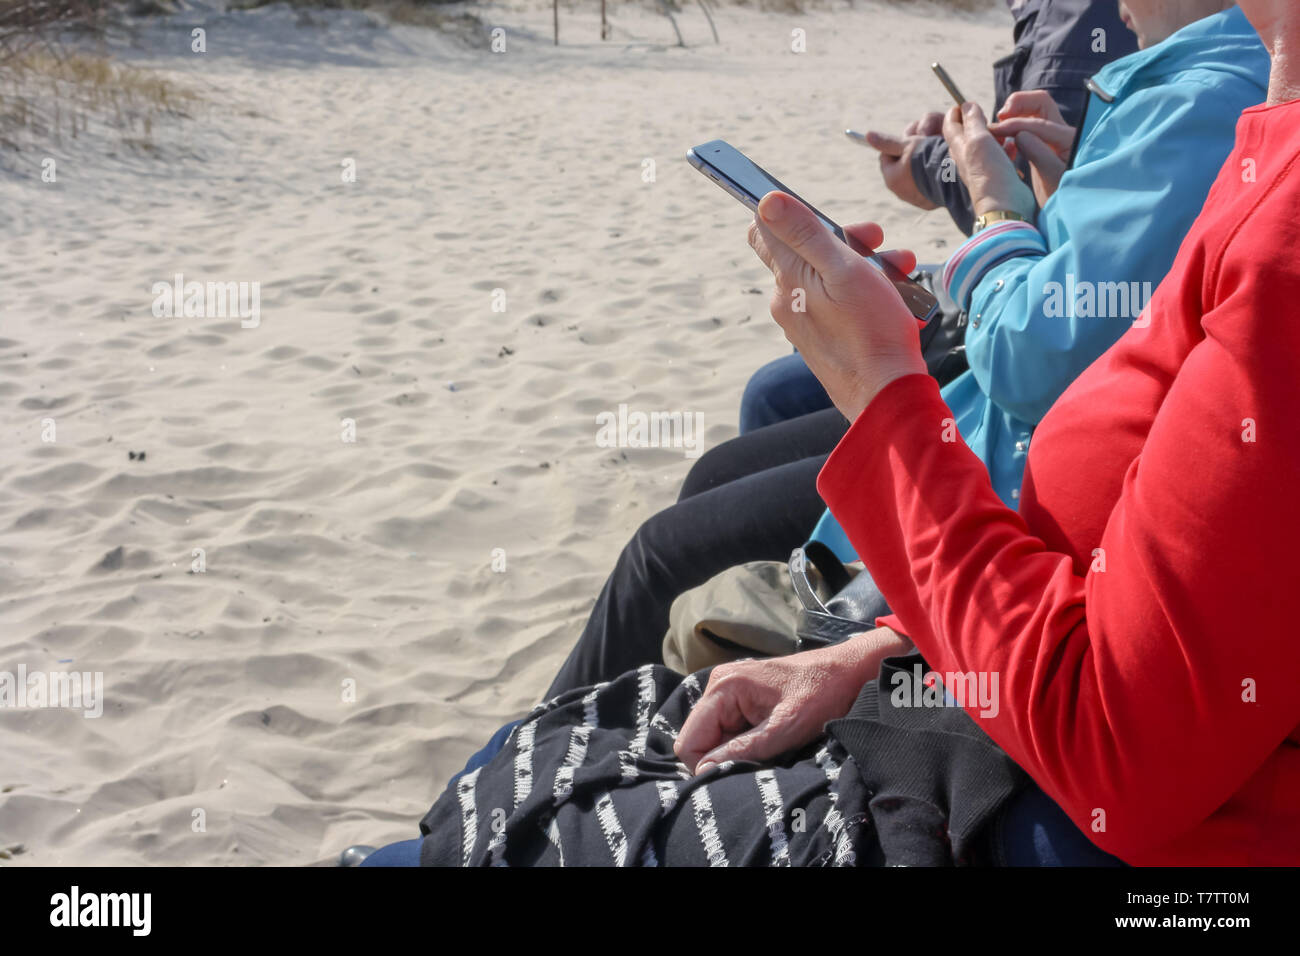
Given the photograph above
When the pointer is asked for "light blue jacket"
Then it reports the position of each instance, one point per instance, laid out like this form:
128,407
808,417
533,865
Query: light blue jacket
1044,303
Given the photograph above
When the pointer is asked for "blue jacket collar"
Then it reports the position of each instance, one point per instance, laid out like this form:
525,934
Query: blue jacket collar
1225,41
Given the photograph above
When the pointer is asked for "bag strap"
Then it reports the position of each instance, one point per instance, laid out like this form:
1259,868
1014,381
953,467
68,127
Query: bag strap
831,568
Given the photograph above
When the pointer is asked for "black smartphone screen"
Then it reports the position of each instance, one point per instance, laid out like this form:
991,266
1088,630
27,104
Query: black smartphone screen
748,182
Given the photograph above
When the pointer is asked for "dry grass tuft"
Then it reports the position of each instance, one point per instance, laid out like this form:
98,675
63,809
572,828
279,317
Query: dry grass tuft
48,95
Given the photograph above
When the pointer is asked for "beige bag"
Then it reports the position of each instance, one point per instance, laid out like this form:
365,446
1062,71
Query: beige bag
746,611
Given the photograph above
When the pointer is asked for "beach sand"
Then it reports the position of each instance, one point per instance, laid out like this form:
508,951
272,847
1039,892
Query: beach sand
364,568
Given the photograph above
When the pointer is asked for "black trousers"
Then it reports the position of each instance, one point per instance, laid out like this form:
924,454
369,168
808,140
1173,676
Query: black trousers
753,498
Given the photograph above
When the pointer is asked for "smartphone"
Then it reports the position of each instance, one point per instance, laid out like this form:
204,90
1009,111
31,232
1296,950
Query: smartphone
747,181
949,85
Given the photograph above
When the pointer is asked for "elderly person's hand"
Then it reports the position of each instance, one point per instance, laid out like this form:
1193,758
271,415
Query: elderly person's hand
983,164
896,157
1032,120
836,308
758,710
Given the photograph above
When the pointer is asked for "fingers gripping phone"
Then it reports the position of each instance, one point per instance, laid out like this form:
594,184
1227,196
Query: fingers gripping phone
747,181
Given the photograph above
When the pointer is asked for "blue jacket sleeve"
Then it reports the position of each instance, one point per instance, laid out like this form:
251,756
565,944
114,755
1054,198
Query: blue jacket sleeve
1039,319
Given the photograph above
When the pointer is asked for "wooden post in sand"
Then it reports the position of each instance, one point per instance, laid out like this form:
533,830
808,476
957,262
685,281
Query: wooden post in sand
555,17
604,27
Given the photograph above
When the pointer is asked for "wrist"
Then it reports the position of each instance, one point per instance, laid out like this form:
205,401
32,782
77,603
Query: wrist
870,648
984,220
1022,203
883,373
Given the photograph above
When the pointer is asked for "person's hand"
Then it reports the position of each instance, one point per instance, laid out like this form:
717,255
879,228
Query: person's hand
1035,105
758,710
837,309
931,124
1032,120
983,164
896,157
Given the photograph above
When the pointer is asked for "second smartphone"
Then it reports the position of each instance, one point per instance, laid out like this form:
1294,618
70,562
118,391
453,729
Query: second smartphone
748,182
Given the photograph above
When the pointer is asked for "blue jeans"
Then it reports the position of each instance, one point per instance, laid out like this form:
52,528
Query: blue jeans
1031,830
782,389
406,853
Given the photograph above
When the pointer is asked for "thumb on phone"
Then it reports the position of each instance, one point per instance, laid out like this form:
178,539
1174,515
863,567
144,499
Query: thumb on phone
972,116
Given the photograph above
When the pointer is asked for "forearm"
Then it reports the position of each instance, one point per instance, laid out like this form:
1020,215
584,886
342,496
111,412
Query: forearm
863,654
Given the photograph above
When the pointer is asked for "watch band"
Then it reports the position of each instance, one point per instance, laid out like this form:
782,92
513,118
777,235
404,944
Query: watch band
997,215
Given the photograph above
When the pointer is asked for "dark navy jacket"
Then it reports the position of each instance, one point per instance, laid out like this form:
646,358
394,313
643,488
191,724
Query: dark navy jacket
1057,49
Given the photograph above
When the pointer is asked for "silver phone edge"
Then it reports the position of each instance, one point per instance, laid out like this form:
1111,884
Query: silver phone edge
729,186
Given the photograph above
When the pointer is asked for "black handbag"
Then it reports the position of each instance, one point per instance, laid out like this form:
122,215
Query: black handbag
943,340
852,604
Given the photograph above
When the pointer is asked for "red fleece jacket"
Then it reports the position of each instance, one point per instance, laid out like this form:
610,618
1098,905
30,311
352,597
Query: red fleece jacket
1138,610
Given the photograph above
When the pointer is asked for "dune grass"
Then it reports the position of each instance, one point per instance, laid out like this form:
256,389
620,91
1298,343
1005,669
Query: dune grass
49,96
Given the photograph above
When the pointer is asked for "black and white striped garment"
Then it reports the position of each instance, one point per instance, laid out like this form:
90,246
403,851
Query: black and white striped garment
590,779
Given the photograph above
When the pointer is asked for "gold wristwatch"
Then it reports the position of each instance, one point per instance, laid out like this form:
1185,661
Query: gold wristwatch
997,215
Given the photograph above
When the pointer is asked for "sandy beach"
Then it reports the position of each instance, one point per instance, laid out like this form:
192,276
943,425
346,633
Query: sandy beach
319,557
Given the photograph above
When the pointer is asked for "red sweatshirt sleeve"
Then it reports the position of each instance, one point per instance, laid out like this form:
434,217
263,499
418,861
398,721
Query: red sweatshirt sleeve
1122,690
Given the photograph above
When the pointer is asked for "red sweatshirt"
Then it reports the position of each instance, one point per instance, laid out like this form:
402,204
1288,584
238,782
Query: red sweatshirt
1140,610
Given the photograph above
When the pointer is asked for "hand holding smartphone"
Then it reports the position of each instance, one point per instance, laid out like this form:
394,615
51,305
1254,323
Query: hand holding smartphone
748,182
